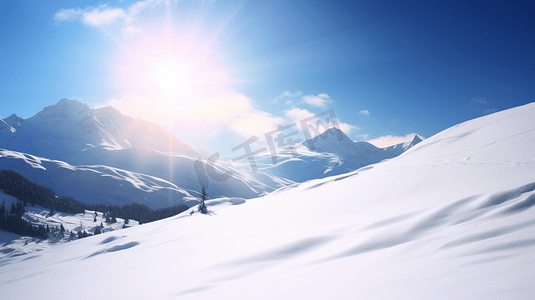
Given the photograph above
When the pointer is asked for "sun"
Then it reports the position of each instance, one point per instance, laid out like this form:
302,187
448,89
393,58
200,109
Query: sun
169,77
171,71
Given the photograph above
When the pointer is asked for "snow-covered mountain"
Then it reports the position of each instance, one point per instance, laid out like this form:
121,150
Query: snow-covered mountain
82,147
331,153
72,125
453,218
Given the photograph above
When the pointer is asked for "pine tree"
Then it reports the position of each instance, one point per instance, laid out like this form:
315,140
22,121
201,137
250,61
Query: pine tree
3,215
51,213
3,208
202,206
19,209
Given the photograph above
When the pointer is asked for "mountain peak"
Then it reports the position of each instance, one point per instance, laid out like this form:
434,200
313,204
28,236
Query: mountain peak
71,103
13,120
411,143
326,139
65,109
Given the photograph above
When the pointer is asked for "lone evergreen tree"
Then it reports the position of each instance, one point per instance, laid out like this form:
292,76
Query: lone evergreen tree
3,208
202,206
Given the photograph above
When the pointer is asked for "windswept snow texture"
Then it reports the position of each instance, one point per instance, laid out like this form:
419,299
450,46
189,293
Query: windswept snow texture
72,134
331,153
454,218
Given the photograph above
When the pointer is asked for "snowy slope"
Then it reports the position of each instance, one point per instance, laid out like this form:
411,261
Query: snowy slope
94,184
71,133
453,218
331,153
12,245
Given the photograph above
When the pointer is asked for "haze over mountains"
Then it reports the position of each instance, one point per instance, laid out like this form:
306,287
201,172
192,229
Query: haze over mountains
101,155
453,218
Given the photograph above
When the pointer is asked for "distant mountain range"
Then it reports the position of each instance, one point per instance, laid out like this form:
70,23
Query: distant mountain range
331,153
102,156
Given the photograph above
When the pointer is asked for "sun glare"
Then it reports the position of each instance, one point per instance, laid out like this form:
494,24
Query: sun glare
174,71
169,72
169,78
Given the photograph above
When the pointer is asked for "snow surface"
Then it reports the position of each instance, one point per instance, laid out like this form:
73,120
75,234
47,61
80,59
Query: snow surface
453,218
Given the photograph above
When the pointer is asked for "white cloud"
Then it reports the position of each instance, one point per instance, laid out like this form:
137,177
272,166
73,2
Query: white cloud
102,15
390,140
320,100
365,112
347,128
288,96
255,122
105,15
64,15
296,114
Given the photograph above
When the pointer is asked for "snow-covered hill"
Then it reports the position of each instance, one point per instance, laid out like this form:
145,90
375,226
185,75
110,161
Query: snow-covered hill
103,142
12,245
453,218
331,153
96,184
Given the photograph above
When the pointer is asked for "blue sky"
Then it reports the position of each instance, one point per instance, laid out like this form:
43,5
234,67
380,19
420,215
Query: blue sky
217,72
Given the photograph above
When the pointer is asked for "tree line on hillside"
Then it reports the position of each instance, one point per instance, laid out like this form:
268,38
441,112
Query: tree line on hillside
28,192
16,185
12,221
